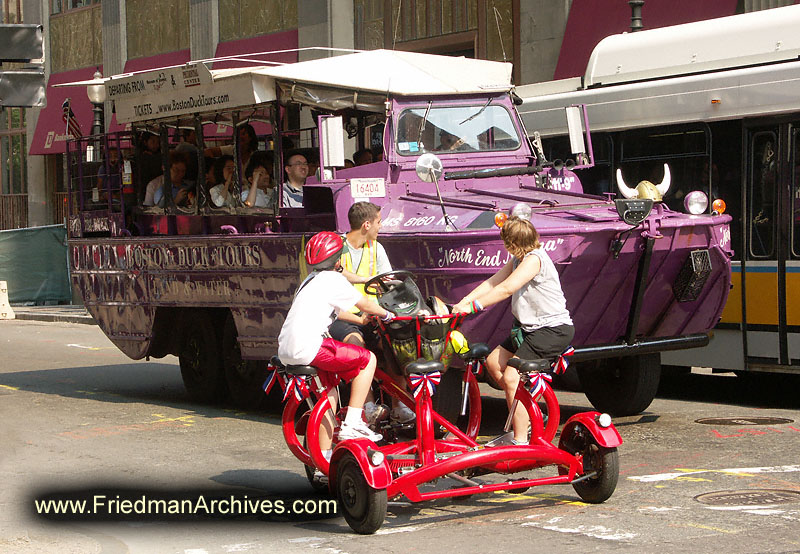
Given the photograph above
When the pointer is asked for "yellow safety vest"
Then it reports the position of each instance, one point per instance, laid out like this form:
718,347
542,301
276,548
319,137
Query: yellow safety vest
367,267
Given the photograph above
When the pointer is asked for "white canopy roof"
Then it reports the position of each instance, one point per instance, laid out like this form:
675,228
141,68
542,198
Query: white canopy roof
391,71
191,89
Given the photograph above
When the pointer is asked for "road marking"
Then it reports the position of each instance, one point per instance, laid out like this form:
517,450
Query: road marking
9,387
84,347
240,547
657,509
595,531
709,528
398,530
741,471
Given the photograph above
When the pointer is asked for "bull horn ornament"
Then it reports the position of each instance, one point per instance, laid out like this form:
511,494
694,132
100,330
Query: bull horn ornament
645,189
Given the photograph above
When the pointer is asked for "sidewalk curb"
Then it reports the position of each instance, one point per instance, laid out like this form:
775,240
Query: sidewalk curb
50,317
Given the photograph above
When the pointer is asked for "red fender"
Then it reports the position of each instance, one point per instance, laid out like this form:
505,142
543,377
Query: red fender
607,437
377,477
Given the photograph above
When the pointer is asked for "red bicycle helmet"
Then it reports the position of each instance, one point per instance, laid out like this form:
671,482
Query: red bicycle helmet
323,250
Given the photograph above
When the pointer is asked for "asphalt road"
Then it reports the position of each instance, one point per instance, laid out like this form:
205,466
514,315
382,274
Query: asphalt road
78,417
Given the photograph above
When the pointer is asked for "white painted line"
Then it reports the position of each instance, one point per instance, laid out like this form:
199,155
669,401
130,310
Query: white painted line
736,470
87,348
397,530
594,531
243,547
657,509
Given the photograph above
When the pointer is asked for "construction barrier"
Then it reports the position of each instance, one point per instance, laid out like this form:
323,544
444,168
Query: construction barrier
33,261
5,308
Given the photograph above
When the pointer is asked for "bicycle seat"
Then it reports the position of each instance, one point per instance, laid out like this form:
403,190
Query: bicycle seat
527,366
476,351
301,370
424,366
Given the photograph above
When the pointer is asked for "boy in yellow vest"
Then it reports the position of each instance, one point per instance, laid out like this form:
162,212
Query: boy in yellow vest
363,257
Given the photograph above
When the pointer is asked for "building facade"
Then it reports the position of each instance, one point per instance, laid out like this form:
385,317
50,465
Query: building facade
544,39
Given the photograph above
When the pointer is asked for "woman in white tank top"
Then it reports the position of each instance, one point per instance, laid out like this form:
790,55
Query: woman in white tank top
544,327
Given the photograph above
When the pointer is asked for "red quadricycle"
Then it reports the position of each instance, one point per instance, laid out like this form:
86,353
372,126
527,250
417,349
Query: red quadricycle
364,475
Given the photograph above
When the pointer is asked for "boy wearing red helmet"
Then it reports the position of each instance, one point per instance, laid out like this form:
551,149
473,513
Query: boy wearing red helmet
318,301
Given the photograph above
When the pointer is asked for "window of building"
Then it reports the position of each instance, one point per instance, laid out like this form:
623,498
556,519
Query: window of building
61,6
13,151
11,11
485,29
148,35
240,19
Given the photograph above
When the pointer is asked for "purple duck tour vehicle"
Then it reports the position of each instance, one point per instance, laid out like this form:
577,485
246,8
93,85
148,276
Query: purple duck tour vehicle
182,265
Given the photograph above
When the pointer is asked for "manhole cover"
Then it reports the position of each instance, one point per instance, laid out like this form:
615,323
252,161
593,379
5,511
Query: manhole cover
749,497
743,420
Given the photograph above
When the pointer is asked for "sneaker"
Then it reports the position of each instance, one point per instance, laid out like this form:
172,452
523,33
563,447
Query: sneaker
358,430
403,414
375,413
505,439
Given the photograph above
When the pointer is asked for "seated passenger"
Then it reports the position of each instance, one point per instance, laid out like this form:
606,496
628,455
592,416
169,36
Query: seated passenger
150,164
302,341
111,178
182,191
448,142
248,143
188,147
296,170
363,157
221,193
259,177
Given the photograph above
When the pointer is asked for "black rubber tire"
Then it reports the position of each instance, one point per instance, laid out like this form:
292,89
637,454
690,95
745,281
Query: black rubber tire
568,380
245,378
447,400
363,507
595,458
621,386
200,359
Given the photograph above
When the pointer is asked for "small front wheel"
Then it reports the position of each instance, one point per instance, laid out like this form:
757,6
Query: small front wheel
364,507
598,460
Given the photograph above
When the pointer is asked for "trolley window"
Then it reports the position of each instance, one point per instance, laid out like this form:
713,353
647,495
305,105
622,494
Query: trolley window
761,196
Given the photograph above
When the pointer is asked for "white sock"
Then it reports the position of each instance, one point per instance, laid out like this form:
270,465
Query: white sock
327,454
353,416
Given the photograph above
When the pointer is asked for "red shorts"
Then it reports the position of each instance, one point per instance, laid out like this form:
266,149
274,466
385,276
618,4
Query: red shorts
337,360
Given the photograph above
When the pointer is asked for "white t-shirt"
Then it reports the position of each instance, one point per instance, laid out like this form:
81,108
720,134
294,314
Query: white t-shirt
150,191
263,199
217,198
314,308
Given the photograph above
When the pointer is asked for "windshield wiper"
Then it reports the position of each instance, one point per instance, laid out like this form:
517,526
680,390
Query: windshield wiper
422,126
479,112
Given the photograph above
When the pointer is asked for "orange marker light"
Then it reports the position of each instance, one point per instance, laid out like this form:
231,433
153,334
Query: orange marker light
719,206
500,219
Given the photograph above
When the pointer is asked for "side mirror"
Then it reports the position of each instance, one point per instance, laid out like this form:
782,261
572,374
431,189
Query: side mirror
331,131
575,126
429,167
578,127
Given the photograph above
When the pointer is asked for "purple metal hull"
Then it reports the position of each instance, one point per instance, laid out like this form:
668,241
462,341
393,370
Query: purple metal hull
125,281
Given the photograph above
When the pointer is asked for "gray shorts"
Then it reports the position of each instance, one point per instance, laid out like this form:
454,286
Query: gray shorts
547,342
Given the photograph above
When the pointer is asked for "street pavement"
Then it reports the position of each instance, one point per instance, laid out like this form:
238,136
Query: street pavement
79,416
